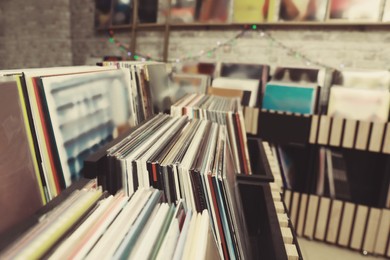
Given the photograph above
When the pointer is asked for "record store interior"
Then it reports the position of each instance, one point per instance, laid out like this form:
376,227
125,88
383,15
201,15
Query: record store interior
195,129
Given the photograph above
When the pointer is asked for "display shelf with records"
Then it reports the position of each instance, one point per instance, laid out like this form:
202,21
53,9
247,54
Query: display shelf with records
174,174
54,118
112,14
333,156
168,15
70,112
259,220
99,227
324,130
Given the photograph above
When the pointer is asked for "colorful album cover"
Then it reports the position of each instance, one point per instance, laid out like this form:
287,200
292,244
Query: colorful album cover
214,11
182,11
290,98
359,104
20,182
355,10
303,10
252,11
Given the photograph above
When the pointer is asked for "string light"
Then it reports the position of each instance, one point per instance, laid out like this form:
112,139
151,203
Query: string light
230,42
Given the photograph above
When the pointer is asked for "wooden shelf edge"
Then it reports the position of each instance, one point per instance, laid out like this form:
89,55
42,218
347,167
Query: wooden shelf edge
274,25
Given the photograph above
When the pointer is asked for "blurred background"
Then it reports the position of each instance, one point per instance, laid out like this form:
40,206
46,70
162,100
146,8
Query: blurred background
45,33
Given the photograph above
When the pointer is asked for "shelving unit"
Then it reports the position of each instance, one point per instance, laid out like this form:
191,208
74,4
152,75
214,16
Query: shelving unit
167,27
364,146
267,240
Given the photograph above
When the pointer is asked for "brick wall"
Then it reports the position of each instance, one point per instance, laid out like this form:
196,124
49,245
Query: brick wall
47,40
335,48
34,33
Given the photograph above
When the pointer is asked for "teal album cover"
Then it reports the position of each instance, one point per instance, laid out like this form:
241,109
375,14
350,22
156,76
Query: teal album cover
294,99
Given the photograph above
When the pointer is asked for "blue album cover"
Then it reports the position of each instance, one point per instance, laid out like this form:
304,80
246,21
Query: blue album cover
294,99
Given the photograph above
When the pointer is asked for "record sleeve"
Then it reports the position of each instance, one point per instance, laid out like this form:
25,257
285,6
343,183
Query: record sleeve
355,10
21,185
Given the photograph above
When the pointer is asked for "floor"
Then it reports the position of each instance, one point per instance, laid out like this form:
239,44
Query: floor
313,250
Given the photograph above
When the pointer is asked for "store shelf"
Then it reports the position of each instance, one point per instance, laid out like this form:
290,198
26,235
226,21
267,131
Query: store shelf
272,25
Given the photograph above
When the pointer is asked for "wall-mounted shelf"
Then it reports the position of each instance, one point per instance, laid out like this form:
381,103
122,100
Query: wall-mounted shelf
266,25
167,26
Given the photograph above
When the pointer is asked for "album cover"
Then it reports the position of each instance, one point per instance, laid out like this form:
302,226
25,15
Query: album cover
337,175
386,11
189,83
182,11
20,182
241,70
303,75
162,94
303,10
199,68
359,104
103,13
359,78
147,11
250,88
214,11
255,11
122,12
355,10
250,11
290,98
80,125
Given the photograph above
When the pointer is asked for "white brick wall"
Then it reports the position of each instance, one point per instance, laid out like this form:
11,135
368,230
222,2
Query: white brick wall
41,33
34,33
369,49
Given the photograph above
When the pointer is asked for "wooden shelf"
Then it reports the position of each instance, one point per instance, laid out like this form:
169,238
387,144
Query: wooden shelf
283,25
168,26
272,25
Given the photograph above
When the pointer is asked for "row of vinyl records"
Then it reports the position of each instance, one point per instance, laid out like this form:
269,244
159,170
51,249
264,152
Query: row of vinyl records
90,224
54,118
169,139
289,89
62,115
115,12
86,223
190,160
297,90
